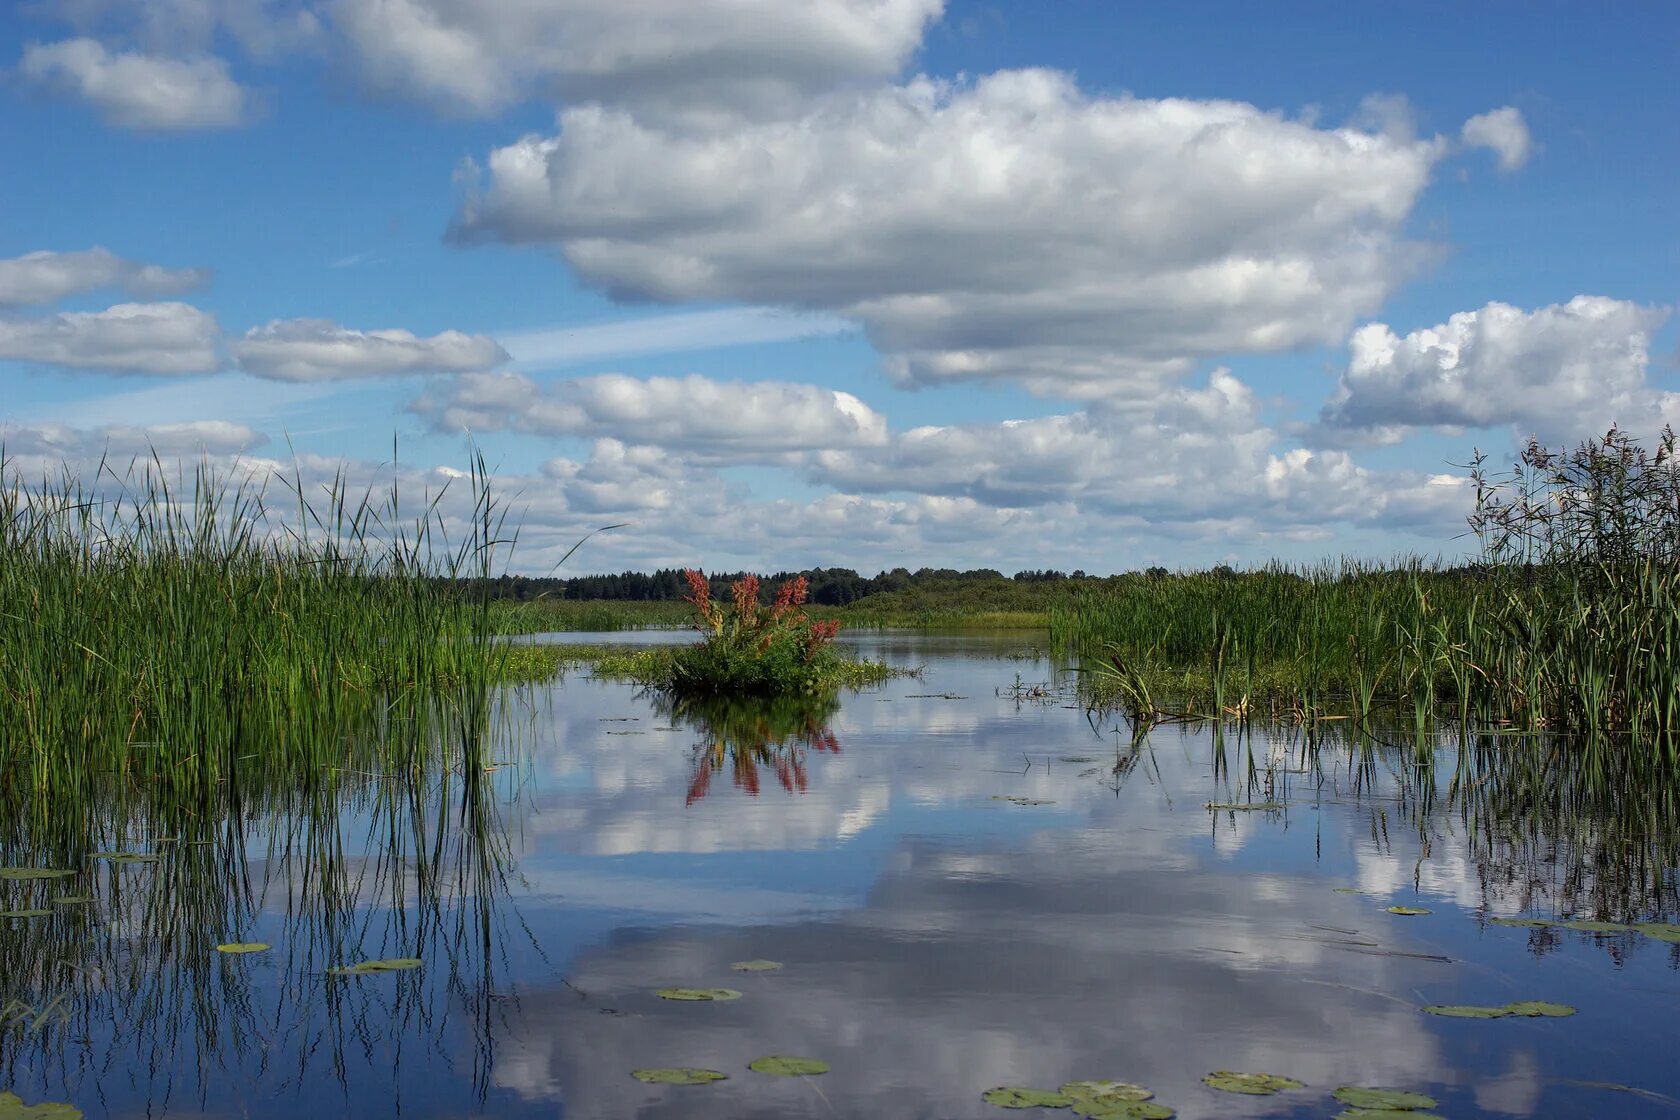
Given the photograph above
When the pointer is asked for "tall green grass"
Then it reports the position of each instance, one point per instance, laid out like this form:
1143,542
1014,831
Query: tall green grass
176,629
1570,624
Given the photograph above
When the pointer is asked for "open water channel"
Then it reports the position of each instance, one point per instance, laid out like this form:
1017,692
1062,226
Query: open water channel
964,881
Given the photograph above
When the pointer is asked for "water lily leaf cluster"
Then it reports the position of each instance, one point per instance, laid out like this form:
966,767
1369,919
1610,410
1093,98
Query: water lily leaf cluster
1092,1099
1527,1009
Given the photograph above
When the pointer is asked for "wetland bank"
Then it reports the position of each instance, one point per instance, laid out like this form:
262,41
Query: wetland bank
292,823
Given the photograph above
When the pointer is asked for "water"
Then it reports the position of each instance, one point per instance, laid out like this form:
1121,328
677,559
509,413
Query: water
936,939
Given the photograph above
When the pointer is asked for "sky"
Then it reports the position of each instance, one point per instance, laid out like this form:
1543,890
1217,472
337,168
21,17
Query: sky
781,284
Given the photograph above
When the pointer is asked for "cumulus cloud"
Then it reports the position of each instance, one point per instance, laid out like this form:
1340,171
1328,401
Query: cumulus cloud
1556,371
47,277
714,420
666,57
59,443
320,350
137,90
1011,227
1503,132
155,338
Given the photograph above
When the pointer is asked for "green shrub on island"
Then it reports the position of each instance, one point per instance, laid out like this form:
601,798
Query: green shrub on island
753,649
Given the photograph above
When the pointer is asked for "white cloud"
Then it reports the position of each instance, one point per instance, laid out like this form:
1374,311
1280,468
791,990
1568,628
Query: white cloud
662,334
320,350
136,90
1558,371
157,338
1503,132
713,420
47,277
1012,227
669,57
56,444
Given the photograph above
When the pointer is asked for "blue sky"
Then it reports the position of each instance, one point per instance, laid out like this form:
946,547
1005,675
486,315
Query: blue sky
848,282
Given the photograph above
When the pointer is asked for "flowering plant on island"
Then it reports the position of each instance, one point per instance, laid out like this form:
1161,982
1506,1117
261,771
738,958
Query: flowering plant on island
751,647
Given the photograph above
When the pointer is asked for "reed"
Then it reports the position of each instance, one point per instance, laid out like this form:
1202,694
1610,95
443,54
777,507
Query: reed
1569,624
177,629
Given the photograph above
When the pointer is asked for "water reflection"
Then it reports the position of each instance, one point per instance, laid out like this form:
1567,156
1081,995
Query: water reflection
980,888
747,736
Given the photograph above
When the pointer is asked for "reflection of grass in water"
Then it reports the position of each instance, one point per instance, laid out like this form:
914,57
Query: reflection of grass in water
1587,830
352,867
747,735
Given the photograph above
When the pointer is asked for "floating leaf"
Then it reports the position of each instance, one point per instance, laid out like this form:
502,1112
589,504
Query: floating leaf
1347,890
1461,1011
1387,1100
1662,931
1537,1009
1407,911
780,1065
33,873
391,964
25,913
756,966
237,947
1244,807
698,995
1105,1091
13,1108
127,857
1122,1110
1011,1097
72,899
1254,1084
678,1075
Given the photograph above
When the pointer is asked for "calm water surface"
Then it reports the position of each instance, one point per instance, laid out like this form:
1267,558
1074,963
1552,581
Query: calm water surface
936,938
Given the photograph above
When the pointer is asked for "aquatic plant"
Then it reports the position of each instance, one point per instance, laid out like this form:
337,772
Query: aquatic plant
750,648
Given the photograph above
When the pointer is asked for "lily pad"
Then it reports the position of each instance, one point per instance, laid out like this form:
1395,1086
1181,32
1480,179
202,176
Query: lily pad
780,1065
1011,1097
698,995
1539,1009
1385,1100
1584,925
1122,1110
1662,931
13,1108
238,947
1406,911
390,964
1464,1011
25,913
127,857
1253,1084
1105,1091
33,873
756,966
678,1075
1244,807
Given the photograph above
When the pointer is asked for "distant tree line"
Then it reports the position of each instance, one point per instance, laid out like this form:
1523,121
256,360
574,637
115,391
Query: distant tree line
829,586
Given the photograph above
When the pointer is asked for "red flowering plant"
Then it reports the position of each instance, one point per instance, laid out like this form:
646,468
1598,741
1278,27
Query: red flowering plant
753,648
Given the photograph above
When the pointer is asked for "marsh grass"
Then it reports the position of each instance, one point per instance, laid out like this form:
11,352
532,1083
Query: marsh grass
1569,624
178,630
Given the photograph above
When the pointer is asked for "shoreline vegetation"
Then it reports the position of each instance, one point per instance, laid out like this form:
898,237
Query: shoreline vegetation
1567,622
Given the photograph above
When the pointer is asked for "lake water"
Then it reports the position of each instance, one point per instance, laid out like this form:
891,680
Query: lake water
936,938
